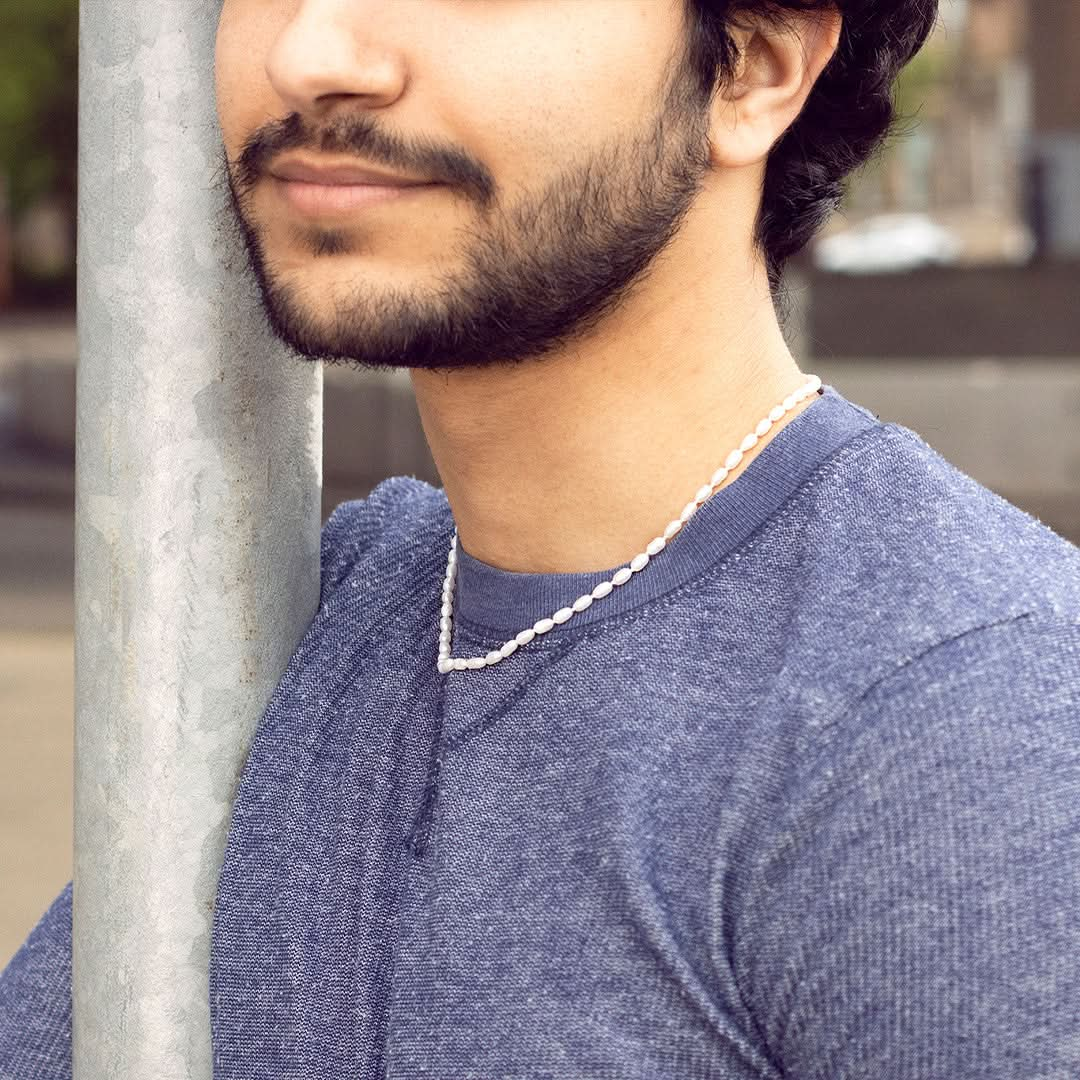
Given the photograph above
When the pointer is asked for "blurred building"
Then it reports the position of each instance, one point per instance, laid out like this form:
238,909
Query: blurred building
990,144
1054,158
959,153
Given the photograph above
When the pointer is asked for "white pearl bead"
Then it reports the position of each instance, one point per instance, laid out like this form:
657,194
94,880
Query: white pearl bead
446,663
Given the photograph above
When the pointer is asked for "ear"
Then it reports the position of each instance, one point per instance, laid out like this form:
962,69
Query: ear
776,70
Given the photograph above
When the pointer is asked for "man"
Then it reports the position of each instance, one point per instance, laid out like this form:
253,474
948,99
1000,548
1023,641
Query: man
788,787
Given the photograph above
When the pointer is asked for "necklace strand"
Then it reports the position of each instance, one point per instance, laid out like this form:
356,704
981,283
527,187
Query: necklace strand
447,663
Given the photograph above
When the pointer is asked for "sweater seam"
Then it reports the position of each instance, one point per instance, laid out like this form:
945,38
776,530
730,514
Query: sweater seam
867,693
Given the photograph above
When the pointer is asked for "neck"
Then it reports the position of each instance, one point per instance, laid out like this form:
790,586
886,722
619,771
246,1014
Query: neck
575,462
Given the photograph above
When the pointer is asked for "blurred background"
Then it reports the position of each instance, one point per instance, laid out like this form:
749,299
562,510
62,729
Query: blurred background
945,296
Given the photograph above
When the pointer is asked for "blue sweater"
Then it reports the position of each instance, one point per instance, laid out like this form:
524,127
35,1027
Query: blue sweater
801,799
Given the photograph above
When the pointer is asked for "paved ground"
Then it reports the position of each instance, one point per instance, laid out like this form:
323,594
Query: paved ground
37,661
36,710
36,688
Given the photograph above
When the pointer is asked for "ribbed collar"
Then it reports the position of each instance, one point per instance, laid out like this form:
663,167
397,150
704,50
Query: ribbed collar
505,601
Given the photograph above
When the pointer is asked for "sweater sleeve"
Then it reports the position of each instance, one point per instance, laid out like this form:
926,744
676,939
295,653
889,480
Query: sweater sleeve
35,1000
921,914
356,524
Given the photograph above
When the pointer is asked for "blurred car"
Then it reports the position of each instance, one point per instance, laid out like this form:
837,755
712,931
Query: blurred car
887,242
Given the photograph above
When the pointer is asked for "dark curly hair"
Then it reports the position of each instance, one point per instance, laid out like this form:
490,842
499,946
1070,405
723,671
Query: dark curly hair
847,116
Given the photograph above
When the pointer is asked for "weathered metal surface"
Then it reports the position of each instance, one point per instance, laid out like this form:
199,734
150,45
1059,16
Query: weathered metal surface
198,473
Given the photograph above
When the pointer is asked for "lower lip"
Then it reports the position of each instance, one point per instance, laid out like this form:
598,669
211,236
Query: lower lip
311,198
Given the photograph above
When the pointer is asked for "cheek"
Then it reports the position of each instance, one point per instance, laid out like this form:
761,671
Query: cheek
240,81
225,79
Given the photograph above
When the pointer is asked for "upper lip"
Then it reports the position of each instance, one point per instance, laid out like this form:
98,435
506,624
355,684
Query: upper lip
295,169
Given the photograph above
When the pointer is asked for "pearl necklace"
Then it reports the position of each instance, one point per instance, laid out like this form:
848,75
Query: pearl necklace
447,663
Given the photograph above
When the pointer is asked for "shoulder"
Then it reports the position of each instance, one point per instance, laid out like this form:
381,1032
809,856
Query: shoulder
989,702
994,708
916,883
400,516
968,752
989,716
894,552
915,519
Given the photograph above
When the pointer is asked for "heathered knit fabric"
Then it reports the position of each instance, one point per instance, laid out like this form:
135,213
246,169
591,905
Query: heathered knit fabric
801,799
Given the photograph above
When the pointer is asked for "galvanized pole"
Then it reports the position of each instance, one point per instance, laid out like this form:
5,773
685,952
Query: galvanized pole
198,472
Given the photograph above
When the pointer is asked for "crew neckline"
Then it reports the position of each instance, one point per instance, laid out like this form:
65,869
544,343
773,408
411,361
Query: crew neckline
491,601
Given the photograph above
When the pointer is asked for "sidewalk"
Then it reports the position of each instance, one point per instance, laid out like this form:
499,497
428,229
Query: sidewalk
37,667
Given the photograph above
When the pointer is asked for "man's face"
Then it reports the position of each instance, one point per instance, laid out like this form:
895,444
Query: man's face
562,142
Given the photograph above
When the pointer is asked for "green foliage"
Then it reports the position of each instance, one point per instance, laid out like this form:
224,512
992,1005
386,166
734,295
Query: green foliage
926,77
918,97
39,42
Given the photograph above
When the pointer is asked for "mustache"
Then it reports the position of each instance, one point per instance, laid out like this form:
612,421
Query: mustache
362,138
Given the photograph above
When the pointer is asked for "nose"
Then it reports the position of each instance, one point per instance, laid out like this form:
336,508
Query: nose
328,52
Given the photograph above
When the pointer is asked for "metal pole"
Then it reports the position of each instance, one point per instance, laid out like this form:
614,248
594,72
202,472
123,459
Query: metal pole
198,474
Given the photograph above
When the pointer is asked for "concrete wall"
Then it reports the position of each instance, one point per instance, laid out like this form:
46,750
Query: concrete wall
936,312
1012,425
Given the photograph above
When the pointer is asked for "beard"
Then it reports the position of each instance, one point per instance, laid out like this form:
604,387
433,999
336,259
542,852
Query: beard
529,279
